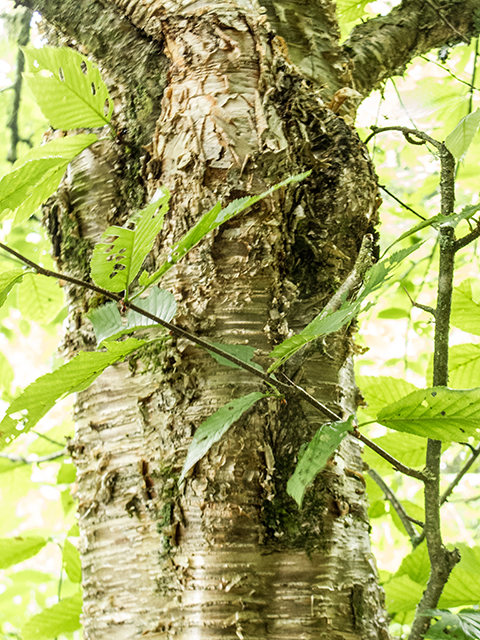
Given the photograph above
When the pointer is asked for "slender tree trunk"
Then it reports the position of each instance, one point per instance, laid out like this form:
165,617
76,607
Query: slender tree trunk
213,103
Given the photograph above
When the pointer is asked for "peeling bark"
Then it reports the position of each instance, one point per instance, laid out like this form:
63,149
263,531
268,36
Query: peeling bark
228,554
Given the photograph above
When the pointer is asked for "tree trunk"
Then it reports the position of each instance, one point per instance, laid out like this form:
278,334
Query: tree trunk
216,101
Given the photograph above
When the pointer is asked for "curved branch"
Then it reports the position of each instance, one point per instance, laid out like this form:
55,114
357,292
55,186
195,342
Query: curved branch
382,47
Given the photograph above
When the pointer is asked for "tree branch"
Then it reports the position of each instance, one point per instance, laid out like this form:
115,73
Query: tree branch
397,505
382,47
396,464
51,456
442,560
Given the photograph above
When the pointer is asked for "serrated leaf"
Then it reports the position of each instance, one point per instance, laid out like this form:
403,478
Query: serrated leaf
40,396
68,88
243,352
117,260
458,141
18,549
464,625
438,412
36,176
462,588
39,298
107,321
416,565
213,428
320,448
208,222
63,617
71,561
326,323
8,279
466,306
379,391
160,303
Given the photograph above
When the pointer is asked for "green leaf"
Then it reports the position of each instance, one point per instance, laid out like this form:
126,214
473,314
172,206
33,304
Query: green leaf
71,562
6,374
464,625
208,222
464,366
63,617
117,260
416,565
213,428
68,88
458,141
243,352
8,279
107,321
466,306
36,176
379,391
351,10
324,443
323,324
407,448
160,303
438,412
39,298
15,550
402,594
40,396
67,473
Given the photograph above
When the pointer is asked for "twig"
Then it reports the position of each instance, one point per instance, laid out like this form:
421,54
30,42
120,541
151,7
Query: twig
51,456
406,132
470,237
12,124
405,206
424,307
284,388
397,505
438,11
460,474
396,464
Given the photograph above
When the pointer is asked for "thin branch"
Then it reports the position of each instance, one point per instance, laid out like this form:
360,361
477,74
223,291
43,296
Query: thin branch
397,505
466,240
408,133
42,435
12,124
396,464
439,12
405,206
32,460
284,388
424,307
474,72
175,330
460,474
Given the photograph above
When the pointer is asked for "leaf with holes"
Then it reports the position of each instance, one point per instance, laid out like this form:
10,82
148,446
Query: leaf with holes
213,428
315,457
42,394
68,88
36,176
117,260
464,625
439,413
210,221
